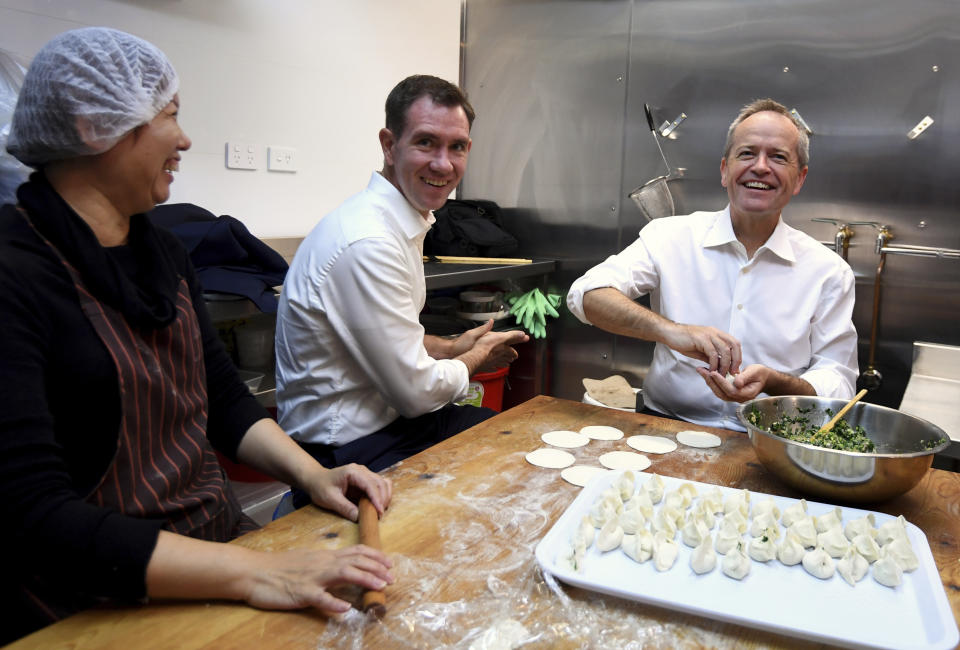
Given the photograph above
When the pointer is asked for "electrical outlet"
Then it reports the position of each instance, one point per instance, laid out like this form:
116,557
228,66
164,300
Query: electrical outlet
921,126
241,155
281,159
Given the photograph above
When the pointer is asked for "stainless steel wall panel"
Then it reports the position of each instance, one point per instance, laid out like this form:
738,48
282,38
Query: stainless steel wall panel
561,144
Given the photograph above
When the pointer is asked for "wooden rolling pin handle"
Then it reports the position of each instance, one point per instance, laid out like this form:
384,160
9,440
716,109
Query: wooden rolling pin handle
373,601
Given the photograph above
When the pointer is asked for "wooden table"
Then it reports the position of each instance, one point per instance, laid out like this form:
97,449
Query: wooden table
465,519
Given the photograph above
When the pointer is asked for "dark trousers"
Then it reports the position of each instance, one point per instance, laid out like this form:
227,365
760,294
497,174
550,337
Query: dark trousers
400,439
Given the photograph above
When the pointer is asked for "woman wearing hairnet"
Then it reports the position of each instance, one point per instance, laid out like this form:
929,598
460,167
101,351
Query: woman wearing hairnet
112,378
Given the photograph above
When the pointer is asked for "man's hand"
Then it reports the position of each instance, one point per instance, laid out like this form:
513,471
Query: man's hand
755,379
328,489
491,349
468,339
708,344
742,388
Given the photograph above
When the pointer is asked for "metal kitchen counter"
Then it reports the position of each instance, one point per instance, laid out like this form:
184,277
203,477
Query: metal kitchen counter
933,391
443,275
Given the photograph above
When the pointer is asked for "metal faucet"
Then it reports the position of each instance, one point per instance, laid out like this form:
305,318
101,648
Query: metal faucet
841,240
871,377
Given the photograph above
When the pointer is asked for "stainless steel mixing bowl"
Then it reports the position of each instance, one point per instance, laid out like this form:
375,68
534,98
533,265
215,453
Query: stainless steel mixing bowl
899,462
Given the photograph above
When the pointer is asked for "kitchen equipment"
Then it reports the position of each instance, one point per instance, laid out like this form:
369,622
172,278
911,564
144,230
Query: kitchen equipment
782,599
654,197
900,461
369,522
251,378
480,302
454,259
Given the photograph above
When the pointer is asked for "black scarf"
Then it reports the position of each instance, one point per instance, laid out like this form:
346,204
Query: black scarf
147,304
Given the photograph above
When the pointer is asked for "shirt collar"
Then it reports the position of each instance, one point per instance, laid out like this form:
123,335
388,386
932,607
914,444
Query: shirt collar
721,233
407,218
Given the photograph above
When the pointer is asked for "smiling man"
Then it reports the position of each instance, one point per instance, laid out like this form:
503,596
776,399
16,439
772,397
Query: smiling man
736,292
356,375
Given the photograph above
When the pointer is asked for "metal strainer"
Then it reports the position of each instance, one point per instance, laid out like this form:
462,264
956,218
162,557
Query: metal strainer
654,197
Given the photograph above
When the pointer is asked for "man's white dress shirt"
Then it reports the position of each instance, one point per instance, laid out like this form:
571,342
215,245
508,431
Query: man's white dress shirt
350,353
790,306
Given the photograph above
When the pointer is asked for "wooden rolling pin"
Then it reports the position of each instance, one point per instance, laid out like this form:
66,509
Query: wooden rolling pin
373,601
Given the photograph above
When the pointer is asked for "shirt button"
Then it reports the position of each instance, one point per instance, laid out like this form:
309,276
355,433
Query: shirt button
740,306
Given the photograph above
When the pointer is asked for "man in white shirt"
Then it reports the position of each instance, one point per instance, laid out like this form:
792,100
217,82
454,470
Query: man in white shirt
357,378
733,287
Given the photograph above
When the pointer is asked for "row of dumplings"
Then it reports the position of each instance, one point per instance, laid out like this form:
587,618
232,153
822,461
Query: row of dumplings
624,517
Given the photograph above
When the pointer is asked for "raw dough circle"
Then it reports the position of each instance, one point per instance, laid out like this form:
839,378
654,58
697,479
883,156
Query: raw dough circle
550,458
624,460
652,444
700,439
580,474
566,439
600,432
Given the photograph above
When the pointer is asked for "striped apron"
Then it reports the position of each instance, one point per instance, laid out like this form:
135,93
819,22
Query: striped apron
164,467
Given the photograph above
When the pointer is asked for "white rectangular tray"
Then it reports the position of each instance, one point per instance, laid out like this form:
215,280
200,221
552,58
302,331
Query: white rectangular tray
775,597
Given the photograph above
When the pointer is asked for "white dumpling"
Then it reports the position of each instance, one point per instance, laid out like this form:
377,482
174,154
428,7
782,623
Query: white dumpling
794,513
703,559
805,530
694,531
887,572
713,500
673,500
689,492
790,551
704,512
665,552
639,547
666,522
641,501
852,566
867,547
654,488
902,552
861,526
736,518
612,494
632,520
584,532
738,501
819,564
762,548
765,524
834,542
570,559
727,537
609,536
625,485
736,563
833,519
891,530
768,505
601,512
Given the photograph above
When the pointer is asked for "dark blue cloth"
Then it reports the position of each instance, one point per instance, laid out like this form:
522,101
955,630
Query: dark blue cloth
227,258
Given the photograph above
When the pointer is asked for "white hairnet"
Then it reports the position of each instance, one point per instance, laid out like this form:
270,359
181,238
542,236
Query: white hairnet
84,91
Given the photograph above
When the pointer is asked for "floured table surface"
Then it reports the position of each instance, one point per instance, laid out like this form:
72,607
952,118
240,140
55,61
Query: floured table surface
461,531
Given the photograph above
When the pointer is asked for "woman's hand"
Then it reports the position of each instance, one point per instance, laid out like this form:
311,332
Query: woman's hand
328,488
301,578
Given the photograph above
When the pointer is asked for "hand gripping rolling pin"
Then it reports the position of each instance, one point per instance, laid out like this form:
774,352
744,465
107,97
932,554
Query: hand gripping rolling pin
373,601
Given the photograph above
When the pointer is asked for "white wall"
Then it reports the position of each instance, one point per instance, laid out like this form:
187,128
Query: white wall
310,74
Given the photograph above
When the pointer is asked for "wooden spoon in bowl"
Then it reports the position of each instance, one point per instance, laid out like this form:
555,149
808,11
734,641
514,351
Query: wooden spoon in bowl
843,411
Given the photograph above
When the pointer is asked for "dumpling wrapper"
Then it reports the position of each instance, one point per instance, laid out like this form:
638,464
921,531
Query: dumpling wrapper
565,439
612,391
652,444
550,458
580,475
698,439
624,460
601,432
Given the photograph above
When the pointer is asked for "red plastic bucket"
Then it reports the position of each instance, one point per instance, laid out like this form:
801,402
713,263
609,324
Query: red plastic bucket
491,385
